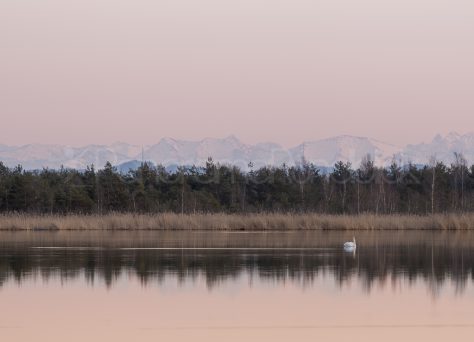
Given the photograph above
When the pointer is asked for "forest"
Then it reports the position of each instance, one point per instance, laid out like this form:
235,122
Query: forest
216,188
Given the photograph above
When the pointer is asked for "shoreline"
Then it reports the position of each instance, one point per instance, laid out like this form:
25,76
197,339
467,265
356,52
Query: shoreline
235,222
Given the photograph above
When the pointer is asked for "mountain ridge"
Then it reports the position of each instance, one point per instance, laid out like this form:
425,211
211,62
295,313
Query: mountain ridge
231,150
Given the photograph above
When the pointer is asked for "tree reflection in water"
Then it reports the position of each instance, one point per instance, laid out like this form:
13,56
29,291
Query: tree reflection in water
387,261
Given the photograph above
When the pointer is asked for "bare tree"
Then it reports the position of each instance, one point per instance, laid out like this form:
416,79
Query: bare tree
365,176
460,165
433,181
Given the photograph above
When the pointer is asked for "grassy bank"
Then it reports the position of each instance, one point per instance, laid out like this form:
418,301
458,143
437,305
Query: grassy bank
251,222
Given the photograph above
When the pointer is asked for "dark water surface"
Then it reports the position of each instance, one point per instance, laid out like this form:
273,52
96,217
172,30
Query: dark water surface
214,286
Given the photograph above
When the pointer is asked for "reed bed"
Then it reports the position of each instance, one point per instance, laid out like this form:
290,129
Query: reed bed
235,222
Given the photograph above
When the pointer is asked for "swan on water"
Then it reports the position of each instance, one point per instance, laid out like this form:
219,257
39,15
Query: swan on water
350,245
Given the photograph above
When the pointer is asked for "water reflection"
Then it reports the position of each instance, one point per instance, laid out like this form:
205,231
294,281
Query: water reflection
381,258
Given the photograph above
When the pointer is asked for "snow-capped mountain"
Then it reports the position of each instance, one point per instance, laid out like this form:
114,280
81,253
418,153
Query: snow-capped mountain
345,148
442,149
55,156
230,150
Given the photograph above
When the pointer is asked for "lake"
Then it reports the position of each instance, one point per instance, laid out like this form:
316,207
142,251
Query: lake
236,286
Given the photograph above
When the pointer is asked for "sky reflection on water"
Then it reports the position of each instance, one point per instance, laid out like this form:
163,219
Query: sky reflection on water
300,286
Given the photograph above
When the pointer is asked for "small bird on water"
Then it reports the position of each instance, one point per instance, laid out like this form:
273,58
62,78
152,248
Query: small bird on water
350,245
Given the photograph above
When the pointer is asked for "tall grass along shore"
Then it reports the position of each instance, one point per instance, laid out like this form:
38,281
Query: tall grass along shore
236,222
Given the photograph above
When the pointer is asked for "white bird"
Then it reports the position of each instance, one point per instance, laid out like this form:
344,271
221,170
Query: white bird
350,245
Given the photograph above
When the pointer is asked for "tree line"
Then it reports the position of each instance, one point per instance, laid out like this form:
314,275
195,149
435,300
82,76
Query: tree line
408,189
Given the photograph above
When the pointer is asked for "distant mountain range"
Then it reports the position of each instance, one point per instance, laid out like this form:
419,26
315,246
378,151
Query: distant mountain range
230,150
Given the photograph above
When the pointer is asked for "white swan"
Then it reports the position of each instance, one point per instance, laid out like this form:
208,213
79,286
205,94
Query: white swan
350,245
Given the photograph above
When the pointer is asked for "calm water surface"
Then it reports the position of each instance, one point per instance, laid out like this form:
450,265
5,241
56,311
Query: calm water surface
213,286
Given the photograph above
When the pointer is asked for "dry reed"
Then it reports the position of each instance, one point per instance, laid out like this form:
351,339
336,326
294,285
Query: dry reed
250,222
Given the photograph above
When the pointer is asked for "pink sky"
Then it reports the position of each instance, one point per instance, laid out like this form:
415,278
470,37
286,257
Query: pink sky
97,71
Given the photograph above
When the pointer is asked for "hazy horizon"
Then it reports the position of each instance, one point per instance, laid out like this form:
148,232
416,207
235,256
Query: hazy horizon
197,140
